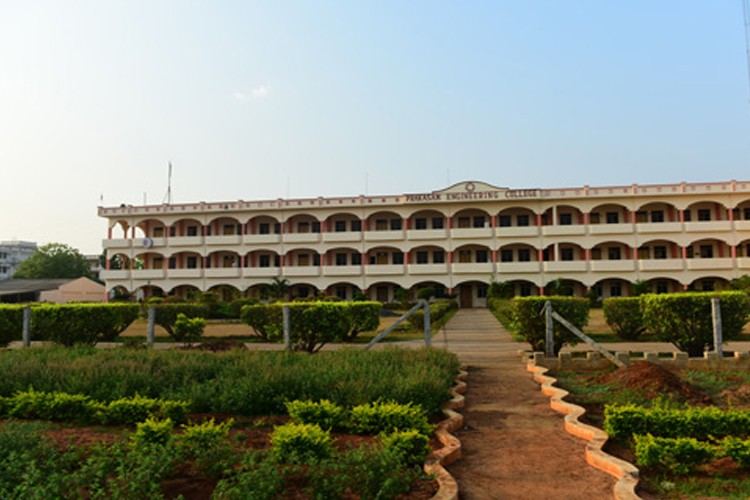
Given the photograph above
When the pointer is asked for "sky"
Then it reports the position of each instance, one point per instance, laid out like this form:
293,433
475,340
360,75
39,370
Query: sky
279,98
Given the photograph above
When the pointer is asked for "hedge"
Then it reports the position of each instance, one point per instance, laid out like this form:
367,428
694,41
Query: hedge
682,455
71,324
684,319
166,314
438,310
624,316
11,323
313,324
529,321
628,420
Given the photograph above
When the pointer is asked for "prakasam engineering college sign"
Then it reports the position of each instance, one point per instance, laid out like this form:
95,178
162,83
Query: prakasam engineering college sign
468,191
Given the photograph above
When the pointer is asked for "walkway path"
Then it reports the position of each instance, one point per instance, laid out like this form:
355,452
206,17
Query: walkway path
514,445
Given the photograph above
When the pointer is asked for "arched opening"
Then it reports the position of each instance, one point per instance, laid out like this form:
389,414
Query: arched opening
657,213
709,284
343,290
471,294
609,213
385,221
471,218
516,217
705,211
562,215
426,220
264,225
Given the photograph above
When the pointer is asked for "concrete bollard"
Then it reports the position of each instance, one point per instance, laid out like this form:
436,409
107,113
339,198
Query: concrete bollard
680,359
565,359
624,357
651,357
538,358
712,359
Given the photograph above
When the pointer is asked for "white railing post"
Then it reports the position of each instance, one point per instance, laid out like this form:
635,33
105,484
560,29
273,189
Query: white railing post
286,326
151,332
26,328
716,315
549,341
427,325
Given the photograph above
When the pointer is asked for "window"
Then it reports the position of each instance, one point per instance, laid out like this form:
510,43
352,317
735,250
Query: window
277,228
398,258
464,222
662,287
707,251
339,226
464,256
596,254
524,255
356,259
546,255
482,291
644,253
689,252
641,216
613,253
420,223
316,227
613,218
192,262
438,257
482,256
657,216
192,231
615,290
303,227
566,253
303,260
660,252
506,255
522,220
172,263
341,259
158,232
316,259
704,214
438,223
356,225
594,218
504,220
478,221
687,215
381,224
566,219
422,257
746,213
396,224
230,229
264,228
264,261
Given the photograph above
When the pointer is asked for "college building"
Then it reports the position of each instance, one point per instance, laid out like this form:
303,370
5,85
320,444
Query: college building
603,239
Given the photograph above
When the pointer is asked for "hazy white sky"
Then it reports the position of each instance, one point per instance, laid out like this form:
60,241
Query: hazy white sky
260,99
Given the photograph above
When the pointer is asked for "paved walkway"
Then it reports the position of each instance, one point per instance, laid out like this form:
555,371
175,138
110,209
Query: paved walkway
514,445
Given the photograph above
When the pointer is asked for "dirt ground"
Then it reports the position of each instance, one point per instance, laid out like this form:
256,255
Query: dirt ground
514,445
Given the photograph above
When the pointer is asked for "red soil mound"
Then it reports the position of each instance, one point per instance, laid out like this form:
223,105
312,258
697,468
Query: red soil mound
654,380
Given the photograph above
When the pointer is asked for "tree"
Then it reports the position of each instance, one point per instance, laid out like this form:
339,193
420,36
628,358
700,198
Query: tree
53,261
278,289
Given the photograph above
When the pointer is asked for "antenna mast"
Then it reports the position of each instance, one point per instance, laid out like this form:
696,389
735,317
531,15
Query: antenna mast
746,15
168,197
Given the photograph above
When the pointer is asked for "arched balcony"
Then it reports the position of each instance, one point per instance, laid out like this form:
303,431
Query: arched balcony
563,220
384,226
611,256
663,285
564,258
263,230
518,258
342,227
301,262
427,225
472,259
708,254
303,228
709,284
660,256
471,223
611,287
658,217
427,259
565,288
223,264
342,262
224,231
610,218
517,222
186,232
706,215
382,291
741,216
343,290
742,252
384,261
185,265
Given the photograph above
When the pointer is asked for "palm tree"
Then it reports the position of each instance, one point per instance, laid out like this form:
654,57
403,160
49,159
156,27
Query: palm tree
278,289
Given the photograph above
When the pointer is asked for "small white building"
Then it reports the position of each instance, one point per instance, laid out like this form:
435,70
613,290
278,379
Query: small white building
57,291
12,253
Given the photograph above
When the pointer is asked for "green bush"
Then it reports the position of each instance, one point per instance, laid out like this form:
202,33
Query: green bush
624,317
438,310
363,317
411,445
529,321
684,319
256,479
87,324
236,306
152,431
188,329
629,420
53,406
135,409
678,455
207,443
266,320
167,314
11,324
378,417
737,449
323,413
303,444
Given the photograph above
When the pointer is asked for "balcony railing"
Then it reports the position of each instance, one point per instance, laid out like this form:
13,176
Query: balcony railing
439,269
301,237
659,227
384,269
261,272
471,233
575,266
518,267
301,271
223,272
716,263
612,265
384,235
344,236
572,230
473,268
427,234
661,264
232,239
517,231
342,271
610,228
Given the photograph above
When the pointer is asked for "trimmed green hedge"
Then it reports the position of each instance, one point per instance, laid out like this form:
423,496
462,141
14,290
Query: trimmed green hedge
167,314
684,319
624,316
438,310
529,321
313,324
626,421
70,324
11,323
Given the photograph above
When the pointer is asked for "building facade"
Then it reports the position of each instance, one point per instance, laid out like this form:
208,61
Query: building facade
605,239
12,253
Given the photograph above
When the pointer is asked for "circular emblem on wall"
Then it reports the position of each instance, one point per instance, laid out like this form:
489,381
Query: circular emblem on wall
148,242
470,186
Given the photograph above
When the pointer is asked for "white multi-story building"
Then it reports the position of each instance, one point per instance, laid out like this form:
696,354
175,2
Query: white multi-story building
673,236
13,253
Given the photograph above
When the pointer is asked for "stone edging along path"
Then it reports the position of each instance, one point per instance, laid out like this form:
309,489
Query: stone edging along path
626,473
451,450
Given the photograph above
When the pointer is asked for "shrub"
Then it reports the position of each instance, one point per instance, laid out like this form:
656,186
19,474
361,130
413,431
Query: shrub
11,324
236,306
678,455
377,417
153,432
363,317
623,315
684,319
411,446
303,444
325,414
266,320
426,293
188,329
257,479
737,449
208,445
438,311
167,314
86,324
529,322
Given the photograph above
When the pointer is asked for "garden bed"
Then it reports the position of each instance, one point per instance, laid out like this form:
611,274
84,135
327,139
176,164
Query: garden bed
654,386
